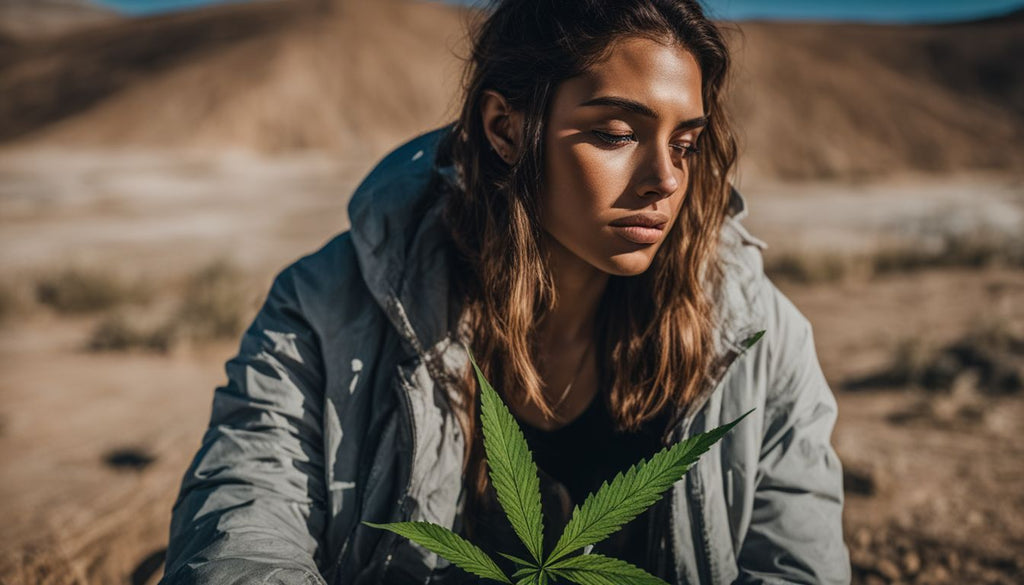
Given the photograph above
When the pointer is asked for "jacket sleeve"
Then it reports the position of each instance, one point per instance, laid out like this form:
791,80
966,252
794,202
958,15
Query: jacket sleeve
251,505
796,533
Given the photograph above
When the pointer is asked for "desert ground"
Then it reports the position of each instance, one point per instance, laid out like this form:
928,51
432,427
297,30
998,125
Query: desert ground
153,183
100,413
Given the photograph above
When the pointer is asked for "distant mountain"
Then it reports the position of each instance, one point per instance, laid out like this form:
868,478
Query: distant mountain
34,18
356,76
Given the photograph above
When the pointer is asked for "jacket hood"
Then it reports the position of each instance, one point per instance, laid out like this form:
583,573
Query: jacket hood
399,238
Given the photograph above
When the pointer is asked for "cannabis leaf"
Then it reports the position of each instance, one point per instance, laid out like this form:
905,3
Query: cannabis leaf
518,560
629,495
514,476
449,545
512,469
595,569
750,341
528,574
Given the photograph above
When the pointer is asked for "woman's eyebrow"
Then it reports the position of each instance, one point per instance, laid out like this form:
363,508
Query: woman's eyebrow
641,109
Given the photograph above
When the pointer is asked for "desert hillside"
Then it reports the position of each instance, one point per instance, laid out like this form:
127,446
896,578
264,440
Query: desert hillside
354,76
351,77
32,19
838,100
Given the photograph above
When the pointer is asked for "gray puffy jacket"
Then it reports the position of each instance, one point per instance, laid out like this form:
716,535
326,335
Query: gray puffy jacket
335,411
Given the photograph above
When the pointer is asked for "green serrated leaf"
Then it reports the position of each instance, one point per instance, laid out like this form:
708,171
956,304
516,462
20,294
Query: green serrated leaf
631,493
525,572
595,569
449,545
750,341
518,560
555,573
513,471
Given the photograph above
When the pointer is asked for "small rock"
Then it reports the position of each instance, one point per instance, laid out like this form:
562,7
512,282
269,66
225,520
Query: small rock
911,562
965,385
888,569
905,521
861,558
862,538
944,409
934,575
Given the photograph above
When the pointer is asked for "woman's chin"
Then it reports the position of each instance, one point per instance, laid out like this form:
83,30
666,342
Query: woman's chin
629,264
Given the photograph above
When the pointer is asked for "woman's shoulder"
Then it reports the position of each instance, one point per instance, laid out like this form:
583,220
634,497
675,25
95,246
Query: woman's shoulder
326,285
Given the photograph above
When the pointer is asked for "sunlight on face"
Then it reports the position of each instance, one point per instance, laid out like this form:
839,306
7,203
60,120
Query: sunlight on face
618,144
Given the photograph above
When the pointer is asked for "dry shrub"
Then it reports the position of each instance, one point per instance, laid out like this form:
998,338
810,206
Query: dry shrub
807,268
77,290
118,333
969,250
213,306
988,360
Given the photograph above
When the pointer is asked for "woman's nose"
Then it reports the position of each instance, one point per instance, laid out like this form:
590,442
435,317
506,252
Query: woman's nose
661,180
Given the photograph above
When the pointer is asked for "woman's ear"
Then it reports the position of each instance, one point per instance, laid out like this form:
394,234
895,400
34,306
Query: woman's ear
502,125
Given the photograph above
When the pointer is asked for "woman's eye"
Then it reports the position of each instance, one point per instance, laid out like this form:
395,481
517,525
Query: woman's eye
687,149
615,138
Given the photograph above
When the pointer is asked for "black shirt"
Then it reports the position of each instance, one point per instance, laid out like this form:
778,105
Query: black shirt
572,462
588,451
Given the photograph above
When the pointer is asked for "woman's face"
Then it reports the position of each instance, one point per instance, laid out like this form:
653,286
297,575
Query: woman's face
618,147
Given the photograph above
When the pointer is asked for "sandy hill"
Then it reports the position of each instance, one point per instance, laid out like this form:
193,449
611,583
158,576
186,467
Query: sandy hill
851,100
41,18
353,76
356,76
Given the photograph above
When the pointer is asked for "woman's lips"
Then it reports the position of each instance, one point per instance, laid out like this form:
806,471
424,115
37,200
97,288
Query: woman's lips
639,234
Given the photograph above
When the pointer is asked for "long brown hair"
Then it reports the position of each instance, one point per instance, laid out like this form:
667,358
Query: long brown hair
656,347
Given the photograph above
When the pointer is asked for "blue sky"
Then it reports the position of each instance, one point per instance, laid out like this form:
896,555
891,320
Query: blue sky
857,10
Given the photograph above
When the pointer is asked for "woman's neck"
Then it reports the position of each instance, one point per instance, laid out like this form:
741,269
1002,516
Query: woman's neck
578,286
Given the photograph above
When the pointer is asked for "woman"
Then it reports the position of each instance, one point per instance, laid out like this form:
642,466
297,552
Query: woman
574,227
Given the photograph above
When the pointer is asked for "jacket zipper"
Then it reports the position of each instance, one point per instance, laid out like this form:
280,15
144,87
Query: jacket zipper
703,560
677,436
406,405
703,570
